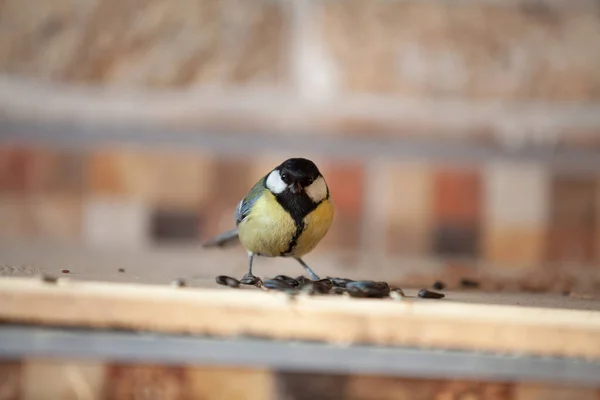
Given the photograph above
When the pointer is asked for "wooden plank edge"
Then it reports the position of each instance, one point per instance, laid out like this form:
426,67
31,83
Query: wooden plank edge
420,323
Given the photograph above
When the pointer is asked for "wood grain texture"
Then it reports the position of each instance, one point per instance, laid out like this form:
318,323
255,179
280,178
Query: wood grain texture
62,379
308,386
129,382
74,379
221,383
522,329
10,378
530,391
364,387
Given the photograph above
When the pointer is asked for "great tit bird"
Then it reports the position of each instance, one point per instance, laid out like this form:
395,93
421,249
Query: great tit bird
285,214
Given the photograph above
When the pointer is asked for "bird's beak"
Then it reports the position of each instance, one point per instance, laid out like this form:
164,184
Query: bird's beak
296,188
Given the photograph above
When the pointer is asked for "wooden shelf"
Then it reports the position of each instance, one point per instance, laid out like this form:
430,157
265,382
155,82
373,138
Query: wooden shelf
562,327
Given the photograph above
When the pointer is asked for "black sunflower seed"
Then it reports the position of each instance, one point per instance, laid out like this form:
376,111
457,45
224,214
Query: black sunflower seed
337,290
339,282
427,294
368,289
251,280
227,281
302,280
276,284
287,279
325,282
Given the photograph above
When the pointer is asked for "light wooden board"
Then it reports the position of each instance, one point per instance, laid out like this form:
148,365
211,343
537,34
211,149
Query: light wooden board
161,265
444,324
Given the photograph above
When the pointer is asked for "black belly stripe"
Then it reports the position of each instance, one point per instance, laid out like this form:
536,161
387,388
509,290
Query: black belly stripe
298,206
294,241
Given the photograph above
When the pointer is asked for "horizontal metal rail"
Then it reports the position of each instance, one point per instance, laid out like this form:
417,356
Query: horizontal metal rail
18,342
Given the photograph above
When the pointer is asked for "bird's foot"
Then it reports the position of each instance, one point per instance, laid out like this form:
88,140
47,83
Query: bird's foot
313,276
250,279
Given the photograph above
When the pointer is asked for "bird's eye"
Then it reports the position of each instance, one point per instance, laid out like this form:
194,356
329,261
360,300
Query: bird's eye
310,180
283,176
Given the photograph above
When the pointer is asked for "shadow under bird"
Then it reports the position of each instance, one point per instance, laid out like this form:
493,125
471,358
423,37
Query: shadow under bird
285,214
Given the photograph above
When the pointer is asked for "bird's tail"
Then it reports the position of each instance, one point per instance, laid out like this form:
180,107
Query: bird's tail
224,239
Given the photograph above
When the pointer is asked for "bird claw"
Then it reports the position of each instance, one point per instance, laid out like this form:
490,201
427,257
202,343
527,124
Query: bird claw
250,279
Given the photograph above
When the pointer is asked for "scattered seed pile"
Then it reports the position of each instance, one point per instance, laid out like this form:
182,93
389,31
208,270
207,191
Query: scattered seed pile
326,286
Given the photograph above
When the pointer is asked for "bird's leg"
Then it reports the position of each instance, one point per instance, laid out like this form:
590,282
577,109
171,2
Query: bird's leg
312,275
250,259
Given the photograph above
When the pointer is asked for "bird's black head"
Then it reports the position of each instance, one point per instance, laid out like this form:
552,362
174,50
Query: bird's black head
297,176
298,172
298,186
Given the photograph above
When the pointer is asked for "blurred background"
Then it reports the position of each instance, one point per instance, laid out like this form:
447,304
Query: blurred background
457,138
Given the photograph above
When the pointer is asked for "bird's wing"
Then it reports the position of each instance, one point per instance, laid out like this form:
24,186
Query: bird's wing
241,212
245,205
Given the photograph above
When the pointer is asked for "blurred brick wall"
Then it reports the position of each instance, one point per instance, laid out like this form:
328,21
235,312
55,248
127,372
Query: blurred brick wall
22,379
505,214
516,55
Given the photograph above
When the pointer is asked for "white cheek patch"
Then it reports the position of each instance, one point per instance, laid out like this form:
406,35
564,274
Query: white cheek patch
317,190
274,182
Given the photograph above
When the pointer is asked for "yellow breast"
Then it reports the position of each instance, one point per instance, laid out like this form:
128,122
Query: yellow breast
269,229
317,225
